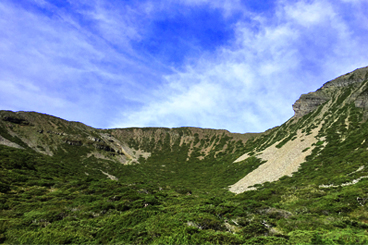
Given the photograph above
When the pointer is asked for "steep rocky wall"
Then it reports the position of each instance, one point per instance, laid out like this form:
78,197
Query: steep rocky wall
309,102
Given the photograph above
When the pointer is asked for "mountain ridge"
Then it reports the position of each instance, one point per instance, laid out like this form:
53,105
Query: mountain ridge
34,125
127,145
303,182
310,101
323,98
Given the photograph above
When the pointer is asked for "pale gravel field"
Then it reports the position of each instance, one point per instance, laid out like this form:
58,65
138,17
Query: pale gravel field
280,161
6,142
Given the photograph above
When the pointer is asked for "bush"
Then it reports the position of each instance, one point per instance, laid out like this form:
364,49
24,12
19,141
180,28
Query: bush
4,188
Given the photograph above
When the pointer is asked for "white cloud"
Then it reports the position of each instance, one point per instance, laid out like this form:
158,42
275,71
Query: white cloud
251,85
54,57
309,13
115,24
82,64
227,6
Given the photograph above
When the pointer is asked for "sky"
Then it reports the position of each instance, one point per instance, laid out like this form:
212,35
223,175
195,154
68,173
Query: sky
226,64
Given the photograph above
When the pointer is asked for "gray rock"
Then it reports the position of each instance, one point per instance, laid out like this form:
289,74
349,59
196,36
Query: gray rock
74,142
308,103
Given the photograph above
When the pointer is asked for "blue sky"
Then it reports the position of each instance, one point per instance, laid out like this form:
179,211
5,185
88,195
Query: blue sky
229,64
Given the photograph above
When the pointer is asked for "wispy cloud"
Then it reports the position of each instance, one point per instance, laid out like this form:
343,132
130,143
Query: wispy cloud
65,61
146,63
251,84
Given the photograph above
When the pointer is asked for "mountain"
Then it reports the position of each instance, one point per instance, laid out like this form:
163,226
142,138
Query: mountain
340,103
302,182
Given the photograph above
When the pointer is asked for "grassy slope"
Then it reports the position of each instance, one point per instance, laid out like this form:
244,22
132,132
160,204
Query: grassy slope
171,199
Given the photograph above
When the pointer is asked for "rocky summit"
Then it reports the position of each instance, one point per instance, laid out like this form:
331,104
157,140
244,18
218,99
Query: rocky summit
309,102
303,182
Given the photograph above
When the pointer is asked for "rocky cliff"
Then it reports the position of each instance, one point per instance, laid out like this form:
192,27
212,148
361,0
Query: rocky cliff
334,107
309,102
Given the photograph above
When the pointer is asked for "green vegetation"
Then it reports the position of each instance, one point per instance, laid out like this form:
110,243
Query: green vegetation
175,199
179,195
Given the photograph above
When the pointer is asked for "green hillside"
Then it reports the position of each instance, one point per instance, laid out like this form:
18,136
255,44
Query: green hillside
64,182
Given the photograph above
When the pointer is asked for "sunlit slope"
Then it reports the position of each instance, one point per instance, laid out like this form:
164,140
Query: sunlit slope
333,117
192,157
304,182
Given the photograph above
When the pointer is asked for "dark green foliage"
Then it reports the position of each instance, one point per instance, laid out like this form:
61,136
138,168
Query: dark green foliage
179,194
43,206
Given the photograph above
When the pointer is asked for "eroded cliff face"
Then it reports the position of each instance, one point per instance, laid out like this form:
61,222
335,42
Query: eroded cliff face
308,103
332,89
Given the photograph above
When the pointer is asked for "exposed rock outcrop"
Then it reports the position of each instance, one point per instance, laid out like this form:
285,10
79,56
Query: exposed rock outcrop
339,93
361,100
309,102
94,139
356,76
74,142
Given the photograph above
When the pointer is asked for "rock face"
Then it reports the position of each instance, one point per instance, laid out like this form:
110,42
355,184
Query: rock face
284,155
74,142
309,102
362,100
356,76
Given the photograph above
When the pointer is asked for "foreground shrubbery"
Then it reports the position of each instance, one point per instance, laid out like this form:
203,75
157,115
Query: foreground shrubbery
174,197
41,207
